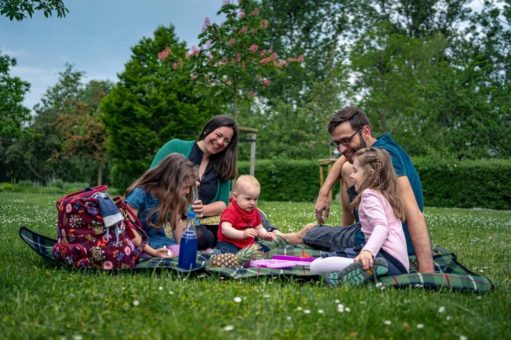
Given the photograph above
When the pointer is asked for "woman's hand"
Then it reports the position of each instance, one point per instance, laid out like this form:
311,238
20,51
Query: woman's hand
366,258
198,208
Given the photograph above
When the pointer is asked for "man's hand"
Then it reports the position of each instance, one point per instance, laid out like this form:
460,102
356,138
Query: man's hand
322,205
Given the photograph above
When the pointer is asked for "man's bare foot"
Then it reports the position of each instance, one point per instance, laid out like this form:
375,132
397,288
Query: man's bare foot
296,237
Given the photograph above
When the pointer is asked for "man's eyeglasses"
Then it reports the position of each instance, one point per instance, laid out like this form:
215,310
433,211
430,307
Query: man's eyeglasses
344,141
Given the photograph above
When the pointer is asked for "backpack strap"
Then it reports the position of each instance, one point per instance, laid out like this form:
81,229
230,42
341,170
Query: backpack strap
132,219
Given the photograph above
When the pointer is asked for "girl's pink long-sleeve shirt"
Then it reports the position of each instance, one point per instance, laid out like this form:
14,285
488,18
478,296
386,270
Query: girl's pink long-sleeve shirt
381,227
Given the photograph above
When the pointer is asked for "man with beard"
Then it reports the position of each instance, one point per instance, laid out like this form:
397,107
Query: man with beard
351,131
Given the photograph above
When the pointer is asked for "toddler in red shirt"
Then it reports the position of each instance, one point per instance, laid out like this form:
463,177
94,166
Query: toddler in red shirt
240,223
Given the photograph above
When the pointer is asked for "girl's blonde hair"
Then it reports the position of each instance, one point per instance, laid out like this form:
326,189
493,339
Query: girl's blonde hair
165,183
379,175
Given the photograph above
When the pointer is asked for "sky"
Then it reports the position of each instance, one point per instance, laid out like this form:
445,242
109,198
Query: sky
96,37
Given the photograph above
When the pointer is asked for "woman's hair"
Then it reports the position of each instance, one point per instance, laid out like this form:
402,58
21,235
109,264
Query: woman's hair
379,175
165,182
223,162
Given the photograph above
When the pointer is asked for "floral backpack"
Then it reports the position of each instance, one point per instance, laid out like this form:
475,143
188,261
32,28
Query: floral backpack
95,231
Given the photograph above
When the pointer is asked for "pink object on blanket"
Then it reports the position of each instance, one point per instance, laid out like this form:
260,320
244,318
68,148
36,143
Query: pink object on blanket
278,264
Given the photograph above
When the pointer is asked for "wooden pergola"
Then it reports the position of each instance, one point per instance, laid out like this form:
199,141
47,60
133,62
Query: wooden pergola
251,138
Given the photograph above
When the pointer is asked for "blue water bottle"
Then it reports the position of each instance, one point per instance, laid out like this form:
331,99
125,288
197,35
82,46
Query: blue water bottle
188,245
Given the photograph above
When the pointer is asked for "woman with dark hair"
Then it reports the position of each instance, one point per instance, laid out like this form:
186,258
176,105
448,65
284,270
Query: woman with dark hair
214,154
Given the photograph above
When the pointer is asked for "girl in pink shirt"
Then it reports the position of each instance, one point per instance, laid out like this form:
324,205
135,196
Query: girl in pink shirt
380,213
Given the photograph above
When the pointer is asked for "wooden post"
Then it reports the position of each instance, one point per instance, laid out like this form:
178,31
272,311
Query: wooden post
252,136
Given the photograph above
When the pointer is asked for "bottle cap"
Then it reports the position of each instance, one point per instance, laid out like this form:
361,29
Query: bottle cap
191,214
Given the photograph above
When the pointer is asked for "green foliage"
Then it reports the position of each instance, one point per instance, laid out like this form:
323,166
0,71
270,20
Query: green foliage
54,187
13,115
66,139
466,184
41,301
22,9
445,183
442,89
155,100
285,180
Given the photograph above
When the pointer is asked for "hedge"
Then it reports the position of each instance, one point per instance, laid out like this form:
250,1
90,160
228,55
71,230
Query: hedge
462,184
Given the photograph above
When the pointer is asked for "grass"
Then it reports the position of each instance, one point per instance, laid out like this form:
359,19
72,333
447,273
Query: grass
41,301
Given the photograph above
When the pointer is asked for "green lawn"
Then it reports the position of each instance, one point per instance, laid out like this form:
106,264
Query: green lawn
40,301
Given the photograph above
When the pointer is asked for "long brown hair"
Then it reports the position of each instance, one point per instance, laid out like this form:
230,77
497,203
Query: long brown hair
165,182
223,162
382,178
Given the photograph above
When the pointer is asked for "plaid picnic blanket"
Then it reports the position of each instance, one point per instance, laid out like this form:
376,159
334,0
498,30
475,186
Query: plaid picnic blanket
449,273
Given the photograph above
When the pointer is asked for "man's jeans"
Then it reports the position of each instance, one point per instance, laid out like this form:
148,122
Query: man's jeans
332,238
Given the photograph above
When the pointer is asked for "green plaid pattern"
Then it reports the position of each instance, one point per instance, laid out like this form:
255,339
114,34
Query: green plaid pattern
449,273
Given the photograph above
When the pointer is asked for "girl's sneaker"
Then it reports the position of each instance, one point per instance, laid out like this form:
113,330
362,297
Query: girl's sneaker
354,275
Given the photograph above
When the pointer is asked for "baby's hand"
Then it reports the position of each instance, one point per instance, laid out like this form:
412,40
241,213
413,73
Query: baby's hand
268,236
250,232
366,258
163,252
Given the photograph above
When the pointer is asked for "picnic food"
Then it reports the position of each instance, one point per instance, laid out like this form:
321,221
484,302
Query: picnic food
234,260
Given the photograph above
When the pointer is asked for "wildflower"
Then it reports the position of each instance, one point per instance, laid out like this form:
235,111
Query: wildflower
307,311
462,337
228,328
195,51
266,82
242,14
420,326
288,318
243,30
231,41
164,54
187,54
387,322
206,24
264,23
253,94
160,288
320,311
300,59
174,67
255,12
441,309
136,303
253,48
282,63
237,299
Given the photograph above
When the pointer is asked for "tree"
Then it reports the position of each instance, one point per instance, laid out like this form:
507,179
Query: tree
21,9
156,99
236,58
66,139
13,115
83,129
